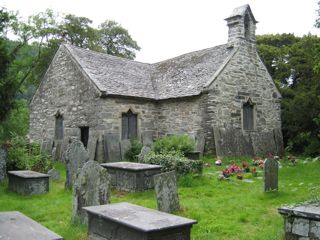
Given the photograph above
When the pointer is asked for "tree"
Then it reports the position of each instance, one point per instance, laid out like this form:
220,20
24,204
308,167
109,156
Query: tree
291,62
115,40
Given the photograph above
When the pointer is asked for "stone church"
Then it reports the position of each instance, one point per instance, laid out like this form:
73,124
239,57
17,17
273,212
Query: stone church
223,97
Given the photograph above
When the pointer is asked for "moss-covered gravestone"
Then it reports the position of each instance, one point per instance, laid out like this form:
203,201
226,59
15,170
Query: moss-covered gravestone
76,156
271,167
91,188
165,185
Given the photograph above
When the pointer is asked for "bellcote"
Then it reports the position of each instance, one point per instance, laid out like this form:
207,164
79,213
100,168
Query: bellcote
242,26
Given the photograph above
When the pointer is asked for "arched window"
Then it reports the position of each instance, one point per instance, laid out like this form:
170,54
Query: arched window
129,125
248,115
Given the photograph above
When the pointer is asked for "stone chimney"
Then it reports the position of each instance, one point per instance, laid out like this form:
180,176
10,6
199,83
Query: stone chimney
242,26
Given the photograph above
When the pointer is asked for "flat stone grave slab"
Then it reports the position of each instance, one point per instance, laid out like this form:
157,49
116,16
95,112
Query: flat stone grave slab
28,182
129,221
16,226
132,177
301,221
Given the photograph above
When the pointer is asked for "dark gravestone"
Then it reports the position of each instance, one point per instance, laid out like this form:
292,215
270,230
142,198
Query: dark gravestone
132,222
232,142
99,154
278,141
54,174
3,161
124,147
76,156
111,148
92,146
271,175
132,177
16,226
200,142
91,188
28,182
165,185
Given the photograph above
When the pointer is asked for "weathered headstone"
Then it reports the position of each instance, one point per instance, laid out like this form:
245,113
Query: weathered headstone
165,185
99,154
76,156
144,151
111,148
53,174
124,147
271,175
91,188
3,161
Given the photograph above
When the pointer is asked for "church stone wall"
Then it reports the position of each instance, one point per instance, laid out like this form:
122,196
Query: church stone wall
244,77
65,90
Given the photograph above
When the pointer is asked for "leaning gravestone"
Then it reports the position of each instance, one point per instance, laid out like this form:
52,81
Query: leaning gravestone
3,160
111,147
166,192
271,175
144,151
54,174
76,156
91,188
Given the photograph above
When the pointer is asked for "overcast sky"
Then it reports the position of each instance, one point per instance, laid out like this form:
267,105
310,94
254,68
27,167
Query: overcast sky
168,28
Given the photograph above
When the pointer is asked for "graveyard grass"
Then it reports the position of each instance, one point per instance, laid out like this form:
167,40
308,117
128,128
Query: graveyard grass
232,209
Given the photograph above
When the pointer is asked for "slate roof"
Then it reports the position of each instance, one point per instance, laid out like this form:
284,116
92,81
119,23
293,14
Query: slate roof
185,75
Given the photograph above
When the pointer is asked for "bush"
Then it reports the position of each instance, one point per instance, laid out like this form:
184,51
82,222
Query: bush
25,156
177,143
134,150
174,161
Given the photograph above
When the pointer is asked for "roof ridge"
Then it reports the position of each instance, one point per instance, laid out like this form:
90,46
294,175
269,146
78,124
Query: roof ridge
103,54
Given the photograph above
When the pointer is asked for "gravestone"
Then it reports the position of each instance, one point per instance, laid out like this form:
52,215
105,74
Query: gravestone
3,161
53,174
147,138
144,151
200,142
165,185
91,188
271,175
124,147
76,156
111,147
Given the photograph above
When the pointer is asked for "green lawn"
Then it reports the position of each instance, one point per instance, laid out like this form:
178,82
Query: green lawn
232,209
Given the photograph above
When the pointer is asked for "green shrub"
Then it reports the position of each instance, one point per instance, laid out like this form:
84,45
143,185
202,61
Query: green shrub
25,156
177,143
135,149
174,161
